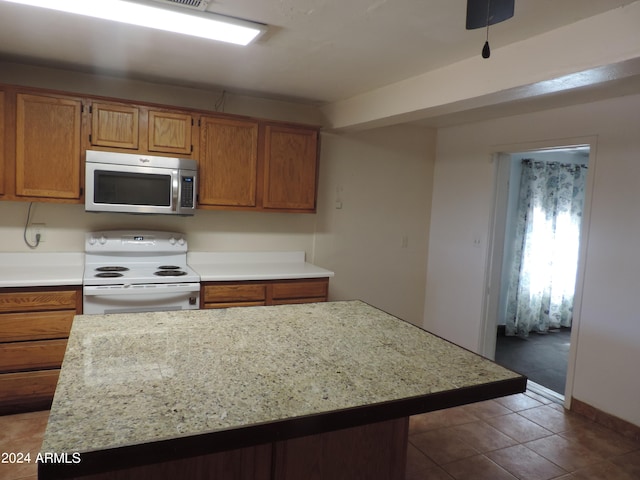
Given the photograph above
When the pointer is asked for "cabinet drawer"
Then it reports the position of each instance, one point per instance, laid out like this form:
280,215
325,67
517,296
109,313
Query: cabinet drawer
37,301
292,301
27,391
238,293
40,354
300,289
35,325
235,304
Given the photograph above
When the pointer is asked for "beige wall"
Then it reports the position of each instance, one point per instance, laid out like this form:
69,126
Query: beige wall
565,59
119,87
374,203
606,337
207,230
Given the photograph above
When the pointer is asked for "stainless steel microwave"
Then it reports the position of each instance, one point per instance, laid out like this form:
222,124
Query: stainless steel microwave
130,183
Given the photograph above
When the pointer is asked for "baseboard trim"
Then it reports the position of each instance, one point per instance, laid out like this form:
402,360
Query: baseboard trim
622,427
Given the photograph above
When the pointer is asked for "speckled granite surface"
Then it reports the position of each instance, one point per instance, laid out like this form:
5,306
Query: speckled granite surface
138,378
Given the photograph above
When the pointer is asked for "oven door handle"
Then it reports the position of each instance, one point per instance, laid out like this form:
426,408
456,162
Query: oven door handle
138,290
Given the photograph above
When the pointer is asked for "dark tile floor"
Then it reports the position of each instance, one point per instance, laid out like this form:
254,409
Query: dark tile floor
525,436
542,358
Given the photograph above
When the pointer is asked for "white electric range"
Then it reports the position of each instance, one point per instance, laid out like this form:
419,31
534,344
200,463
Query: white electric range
138,271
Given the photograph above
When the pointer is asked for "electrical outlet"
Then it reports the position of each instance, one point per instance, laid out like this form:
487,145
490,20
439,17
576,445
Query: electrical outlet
37,229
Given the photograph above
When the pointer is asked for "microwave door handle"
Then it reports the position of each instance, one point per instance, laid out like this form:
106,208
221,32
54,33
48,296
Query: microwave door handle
174,190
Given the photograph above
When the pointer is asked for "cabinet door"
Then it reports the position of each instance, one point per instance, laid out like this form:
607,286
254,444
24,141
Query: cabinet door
300,291
229,294
48,146
290,168
35,325
38,355
169,132
39,299
3,142
114,125
228,162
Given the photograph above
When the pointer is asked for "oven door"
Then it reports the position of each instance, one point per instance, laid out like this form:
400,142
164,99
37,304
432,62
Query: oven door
140,298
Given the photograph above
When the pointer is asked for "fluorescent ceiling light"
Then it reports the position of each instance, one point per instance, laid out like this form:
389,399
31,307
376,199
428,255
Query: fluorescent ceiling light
205,25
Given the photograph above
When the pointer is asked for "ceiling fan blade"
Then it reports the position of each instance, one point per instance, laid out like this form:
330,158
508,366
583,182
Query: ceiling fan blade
498,11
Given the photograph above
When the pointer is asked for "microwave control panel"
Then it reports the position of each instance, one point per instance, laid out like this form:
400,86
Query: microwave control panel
187,196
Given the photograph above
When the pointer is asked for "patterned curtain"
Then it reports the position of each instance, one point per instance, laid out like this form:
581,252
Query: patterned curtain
542,280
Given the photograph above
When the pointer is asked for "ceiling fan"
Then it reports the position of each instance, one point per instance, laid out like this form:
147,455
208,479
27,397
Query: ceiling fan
482,13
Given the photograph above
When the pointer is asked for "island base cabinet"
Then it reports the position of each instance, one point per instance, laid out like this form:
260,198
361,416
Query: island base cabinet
251,463
376,451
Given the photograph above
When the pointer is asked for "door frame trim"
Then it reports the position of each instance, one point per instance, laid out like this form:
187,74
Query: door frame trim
495,247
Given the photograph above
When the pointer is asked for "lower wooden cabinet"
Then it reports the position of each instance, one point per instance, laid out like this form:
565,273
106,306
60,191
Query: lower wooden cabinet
269,292
34,327
27,391
299,291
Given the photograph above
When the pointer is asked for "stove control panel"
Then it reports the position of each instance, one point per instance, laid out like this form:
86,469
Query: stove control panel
135,241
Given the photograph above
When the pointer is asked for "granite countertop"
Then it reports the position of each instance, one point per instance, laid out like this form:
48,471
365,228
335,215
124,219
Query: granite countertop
239,266
134,379
41,269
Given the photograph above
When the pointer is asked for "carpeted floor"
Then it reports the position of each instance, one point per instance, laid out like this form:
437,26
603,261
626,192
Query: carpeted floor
542,358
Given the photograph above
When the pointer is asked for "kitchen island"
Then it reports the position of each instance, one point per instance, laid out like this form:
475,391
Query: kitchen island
319,391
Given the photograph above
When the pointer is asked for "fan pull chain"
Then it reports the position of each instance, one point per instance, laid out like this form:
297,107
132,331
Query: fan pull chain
486,50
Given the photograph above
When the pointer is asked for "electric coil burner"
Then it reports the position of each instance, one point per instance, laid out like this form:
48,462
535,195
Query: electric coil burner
138,271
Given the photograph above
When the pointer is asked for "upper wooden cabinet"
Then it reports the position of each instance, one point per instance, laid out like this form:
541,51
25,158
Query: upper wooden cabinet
228,162
114,125
290,168
244,163
140,128
47,149
3,141
169,132
248,164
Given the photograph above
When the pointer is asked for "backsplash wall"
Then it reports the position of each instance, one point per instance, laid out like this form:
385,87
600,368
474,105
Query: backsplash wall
207,230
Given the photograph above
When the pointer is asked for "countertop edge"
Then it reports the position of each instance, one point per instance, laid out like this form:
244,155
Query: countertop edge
72,282
239,277
102,461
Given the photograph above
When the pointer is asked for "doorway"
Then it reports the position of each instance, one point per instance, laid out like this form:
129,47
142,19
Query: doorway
535,260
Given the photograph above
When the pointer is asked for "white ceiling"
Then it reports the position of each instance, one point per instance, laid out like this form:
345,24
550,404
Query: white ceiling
319,51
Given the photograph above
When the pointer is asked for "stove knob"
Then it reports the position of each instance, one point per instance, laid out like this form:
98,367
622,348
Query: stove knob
172,241
103,240
181,241
92,240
